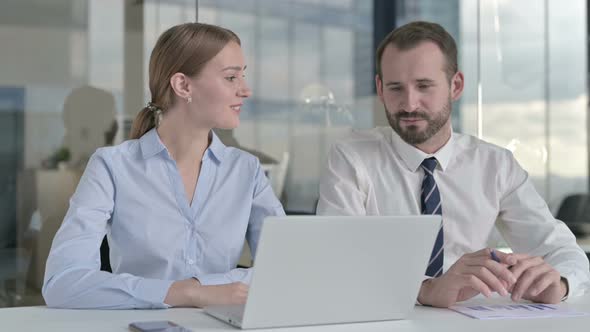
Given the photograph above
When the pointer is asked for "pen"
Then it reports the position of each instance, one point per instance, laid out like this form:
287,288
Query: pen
494,256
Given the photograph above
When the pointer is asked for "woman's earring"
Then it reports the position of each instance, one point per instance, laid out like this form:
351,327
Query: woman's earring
189,100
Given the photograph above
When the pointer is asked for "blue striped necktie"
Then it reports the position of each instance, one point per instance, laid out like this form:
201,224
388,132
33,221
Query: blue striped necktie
431,204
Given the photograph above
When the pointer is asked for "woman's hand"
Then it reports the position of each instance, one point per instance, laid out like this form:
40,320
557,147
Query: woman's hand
190,293
234,293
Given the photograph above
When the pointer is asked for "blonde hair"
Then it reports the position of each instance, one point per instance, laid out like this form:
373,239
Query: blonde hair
186,49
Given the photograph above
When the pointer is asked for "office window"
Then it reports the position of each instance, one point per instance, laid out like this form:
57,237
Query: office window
303,71
70,83
529,60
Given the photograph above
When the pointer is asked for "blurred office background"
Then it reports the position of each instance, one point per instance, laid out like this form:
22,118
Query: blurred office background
73,74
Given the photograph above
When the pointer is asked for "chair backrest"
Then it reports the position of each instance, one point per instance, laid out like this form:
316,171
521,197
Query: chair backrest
574,211
277,174
105,259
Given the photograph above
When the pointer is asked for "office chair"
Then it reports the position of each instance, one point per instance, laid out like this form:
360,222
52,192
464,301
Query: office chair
574,211
105,261
277,173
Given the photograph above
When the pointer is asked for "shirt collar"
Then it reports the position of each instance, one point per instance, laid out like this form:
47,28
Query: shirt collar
413,157
151,145
216,148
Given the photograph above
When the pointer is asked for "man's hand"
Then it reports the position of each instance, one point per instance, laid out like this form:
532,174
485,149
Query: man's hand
472,274
537,281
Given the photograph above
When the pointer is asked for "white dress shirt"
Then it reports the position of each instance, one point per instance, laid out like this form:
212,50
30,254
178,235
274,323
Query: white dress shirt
374,172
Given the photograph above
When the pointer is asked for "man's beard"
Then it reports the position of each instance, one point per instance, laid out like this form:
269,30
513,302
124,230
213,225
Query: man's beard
411,134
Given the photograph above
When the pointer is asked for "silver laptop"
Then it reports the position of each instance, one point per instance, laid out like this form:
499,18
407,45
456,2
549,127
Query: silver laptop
321,270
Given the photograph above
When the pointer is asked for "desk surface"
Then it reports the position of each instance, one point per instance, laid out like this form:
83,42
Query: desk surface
422,319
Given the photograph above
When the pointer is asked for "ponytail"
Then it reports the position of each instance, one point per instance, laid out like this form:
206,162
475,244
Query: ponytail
148,118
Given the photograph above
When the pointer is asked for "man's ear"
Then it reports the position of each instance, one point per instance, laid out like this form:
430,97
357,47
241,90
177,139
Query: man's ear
379,87
181,85
457,85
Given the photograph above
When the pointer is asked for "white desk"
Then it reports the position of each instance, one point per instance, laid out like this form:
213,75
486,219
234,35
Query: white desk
422,319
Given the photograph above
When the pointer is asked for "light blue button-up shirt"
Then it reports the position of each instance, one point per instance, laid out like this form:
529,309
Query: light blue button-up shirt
134,193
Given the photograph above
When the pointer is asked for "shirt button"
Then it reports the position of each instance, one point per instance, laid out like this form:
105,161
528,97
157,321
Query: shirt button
190,262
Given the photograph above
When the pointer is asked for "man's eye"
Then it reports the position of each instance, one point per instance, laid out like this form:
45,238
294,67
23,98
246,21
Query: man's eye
395,88
231,78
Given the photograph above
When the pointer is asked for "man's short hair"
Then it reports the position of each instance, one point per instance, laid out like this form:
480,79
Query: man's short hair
410,35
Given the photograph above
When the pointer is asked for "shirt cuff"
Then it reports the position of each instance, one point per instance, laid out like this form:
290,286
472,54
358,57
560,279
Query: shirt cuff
153,291
576,282
567,288
213,279
235,275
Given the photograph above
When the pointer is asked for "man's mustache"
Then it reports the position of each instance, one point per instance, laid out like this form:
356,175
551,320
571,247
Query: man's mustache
413,115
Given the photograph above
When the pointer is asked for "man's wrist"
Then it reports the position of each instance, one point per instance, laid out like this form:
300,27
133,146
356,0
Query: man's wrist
425,289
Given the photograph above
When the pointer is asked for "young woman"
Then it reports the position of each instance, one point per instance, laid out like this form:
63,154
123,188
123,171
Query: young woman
175,203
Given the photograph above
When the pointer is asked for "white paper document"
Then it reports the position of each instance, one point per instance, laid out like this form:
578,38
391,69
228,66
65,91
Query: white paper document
516,310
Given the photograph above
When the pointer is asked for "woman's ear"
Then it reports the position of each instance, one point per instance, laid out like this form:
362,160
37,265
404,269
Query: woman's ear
181,85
